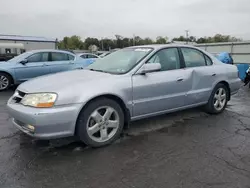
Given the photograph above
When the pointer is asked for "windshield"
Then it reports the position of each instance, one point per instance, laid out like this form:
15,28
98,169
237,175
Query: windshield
20,57
121,61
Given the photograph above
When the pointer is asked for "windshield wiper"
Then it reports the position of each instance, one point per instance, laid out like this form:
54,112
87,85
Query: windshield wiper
97,70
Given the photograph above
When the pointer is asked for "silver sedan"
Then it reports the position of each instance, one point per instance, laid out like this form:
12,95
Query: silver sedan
96,103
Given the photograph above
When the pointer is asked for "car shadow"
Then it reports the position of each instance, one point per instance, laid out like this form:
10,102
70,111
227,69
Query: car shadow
166,122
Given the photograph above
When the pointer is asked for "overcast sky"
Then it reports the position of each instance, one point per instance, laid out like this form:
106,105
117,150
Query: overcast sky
105,18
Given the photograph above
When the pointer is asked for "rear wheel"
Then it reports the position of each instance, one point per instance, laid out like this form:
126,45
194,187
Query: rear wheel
218,99
100,123
5,81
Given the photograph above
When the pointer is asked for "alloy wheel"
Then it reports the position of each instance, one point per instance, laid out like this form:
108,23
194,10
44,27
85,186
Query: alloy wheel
4,82
220,99
103,124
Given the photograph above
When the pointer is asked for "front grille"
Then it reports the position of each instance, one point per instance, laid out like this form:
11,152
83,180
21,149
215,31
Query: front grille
18,96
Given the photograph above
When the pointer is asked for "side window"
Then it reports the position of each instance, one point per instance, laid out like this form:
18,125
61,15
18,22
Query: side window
38,57
71,57
208,60
45,57
56,56
168,58
91,56
35,58
193,58
84,56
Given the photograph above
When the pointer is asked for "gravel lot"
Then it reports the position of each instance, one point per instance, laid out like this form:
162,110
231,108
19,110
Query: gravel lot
186,149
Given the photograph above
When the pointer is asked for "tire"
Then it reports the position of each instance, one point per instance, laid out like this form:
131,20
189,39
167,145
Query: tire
212,107
5,81
94,123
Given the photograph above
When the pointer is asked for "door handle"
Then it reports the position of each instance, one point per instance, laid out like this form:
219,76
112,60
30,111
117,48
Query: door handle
214,74
180,79
71,62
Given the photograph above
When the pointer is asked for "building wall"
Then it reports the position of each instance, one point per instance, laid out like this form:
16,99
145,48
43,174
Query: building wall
240,51
29,45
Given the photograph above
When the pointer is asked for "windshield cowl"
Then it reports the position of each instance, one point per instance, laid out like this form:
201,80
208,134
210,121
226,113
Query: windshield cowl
97,70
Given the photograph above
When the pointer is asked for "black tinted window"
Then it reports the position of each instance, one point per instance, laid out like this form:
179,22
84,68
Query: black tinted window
56,56
91,56
38,57
71,57
168,58
193,57
84,56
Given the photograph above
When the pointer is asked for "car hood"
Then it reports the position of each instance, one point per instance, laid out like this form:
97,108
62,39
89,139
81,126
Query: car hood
6,64
61,81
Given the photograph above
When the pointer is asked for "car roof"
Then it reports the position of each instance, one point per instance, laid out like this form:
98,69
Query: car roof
86,53
160,46
51,50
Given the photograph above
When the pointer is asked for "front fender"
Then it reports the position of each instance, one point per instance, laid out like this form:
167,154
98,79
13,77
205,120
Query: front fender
82,93
11,72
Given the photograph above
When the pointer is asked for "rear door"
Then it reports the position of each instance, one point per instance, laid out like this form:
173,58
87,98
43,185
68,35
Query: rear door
36,66
60,61
161,91
204,74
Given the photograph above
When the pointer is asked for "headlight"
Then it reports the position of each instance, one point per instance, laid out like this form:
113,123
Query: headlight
39,100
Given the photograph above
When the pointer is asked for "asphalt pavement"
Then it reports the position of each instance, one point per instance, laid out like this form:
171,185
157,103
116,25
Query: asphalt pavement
188,149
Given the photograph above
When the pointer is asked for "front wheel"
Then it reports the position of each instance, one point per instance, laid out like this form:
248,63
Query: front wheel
5,81
100,123
218,99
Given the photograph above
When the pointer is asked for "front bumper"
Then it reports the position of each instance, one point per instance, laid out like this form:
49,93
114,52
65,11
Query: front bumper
48,123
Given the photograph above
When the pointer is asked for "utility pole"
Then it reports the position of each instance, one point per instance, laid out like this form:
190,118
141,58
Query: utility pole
133,39
102,44
187,35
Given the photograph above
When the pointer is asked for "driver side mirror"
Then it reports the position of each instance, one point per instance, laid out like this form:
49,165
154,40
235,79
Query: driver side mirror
149,67
24,61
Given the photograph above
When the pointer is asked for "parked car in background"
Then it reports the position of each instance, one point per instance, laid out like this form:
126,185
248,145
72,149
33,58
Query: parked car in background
108,52
105,54
88,56
138,82
37,63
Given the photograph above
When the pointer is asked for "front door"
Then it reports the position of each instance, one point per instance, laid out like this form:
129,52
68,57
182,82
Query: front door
161,91
35,66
